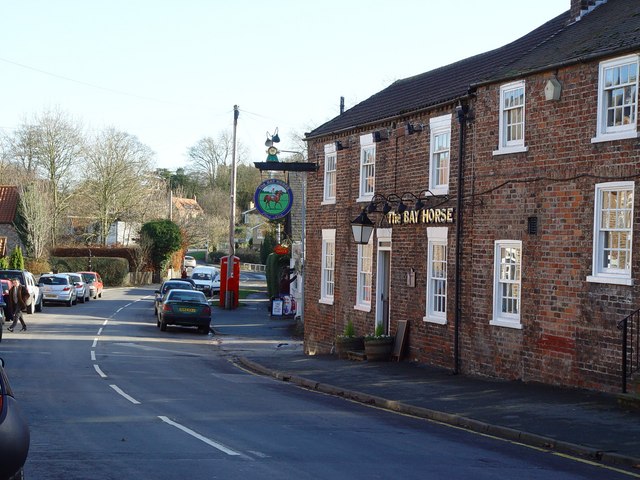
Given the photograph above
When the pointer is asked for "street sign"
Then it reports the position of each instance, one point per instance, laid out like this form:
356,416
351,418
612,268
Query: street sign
273,198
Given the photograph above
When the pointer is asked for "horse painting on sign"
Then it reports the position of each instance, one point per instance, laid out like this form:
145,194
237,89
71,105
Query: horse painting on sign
273,198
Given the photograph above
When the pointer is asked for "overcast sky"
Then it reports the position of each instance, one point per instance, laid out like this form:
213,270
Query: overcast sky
170,71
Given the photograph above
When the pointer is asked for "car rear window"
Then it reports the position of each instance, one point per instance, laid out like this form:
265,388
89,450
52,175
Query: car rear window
186,297
53,281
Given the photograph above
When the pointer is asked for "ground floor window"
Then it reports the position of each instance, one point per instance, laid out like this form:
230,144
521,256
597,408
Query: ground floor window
436,305
365,261
327,281
507,283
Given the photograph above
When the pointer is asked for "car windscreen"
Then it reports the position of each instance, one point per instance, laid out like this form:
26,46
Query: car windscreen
88,277
170,286
201,276
186,297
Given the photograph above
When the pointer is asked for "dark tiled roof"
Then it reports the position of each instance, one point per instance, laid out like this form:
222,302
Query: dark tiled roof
8,203
612,27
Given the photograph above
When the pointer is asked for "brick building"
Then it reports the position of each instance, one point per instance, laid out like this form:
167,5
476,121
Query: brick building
502,188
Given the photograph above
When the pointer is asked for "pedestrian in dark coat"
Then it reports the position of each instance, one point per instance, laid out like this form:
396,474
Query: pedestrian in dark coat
18,298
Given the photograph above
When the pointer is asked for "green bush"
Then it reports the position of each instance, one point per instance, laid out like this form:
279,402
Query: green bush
248,255
114,271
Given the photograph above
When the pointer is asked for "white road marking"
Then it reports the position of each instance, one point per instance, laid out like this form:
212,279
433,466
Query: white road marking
206,440
100,331
100,372
105,322
93,356
128,397
95,342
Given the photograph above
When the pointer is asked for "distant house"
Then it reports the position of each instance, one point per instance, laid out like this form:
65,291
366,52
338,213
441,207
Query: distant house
185,208
255,225
8,209
123,233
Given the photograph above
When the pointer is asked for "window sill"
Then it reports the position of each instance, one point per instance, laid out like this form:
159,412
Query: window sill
437,320
328,202
610,137
439,190
363,199
362,308
508,150
502,322
326,301
610,280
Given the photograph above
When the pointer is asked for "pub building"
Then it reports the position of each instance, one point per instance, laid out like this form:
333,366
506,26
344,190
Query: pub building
494,200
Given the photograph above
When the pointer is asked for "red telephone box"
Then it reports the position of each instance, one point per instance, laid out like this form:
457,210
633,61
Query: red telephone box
233,285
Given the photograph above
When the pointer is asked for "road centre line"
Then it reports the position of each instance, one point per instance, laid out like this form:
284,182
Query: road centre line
128,397
95,342
93,355
105,322
100,331
206,440
100,372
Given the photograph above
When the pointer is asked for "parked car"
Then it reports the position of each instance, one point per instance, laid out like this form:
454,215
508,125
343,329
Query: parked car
58,287
169,285
3,316
186,308
207,280
95,283
189,261
14,432
83,293
34,304
6,286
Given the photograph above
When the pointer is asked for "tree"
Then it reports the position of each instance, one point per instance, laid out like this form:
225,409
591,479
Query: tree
115,176
34,217
58,148
165,238
209,154
16,260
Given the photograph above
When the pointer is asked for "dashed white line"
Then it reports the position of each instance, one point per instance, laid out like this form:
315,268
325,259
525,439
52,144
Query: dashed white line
206,440
128,397
100,331
95,342
105,322
100,372
93,356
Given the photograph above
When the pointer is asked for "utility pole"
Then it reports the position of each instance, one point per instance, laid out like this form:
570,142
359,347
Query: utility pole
228,298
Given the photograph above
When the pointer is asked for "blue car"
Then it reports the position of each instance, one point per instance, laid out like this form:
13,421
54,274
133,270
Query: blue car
14,432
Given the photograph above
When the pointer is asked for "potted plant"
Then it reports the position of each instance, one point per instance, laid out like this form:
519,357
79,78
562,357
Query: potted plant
378,346
348,341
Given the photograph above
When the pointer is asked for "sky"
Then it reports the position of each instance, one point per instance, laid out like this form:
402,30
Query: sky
171,71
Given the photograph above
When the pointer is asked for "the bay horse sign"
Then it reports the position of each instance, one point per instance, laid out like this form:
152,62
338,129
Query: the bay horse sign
273,198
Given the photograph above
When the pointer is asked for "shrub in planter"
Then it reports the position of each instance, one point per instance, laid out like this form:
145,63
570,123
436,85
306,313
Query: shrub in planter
378,346
348,341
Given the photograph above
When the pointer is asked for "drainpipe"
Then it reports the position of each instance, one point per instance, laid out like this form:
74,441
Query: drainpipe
461,111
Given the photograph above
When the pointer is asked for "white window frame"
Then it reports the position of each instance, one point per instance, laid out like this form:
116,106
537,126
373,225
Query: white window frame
500,317
328,272
600,273
605,133
437,238
511,146
440,127
364,283
330,173
367,168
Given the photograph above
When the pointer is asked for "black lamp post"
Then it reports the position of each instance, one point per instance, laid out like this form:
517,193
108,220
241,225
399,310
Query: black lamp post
362,228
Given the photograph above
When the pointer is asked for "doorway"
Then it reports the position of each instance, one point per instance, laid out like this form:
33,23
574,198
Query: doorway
383,278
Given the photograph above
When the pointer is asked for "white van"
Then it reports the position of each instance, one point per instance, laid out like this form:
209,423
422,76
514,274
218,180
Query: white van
207,279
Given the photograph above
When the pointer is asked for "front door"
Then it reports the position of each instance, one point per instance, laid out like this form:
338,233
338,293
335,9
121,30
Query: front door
383,277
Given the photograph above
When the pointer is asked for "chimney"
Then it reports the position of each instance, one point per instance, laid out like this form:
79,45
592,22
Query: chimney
580,8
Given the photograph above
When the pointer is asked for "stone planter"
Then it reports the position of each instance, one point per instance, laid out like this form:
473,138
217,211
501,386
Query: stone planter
348,344
378,349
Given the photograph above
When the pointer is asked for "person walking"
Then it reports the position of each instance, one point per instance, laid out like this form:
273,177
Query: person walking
18,297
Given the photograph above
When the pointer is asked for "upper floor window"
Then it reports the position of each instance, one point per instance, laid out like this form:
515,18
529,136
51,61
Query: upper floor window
617,99
440,147
511,122
612,233
365,261
507,279
436,310
330,158
327,281
367,168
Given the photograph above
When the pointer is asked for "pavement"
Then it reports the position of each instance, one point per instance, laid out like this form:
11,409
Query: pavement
596,426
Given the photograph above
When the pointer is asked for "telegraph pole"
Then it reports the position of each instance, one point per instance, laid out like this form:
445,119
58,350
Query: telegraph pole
228,296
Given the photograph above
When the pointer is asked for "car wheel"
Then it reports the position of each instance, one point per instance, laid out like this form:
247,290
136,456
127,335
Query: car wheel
31,308
19,475
39,305
81,299
203,330
69,303
157,321
163,326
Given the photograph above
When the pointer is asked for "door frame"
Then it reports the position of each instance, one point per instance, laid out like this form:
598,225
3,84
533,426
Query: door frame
383,277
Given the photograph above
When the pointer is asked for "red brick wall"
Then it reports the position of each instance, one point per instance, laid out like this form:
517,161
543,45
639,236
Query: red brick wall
568,335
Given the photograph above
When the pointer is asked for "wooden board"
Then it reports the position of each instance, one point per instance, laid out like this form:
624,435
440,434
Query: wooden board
400,340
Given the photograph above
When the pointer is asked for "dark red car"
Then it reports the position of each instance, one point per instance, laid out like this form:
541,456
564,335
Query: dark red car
94,281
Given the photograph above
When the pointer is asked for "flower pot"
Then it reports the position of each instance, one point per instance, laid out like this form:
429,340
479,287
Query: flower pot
348,344
378,349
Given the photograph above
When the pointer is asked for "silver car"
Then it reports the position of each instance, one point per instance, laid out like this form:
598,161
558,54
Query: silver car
58,287
83,292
